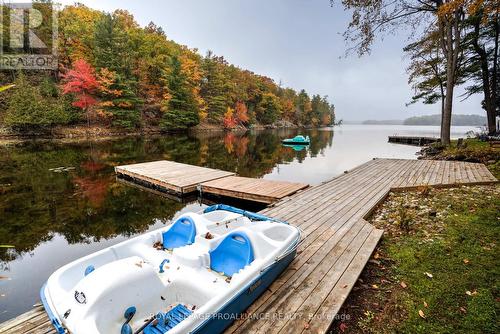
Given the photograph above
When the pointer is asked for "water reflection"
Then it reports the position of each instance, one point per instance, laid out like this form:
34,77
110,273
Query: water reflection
70,189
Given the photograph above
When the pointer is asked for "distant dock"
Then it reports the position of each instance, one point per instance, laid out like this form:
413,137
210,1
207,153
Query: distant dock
182,179
413,140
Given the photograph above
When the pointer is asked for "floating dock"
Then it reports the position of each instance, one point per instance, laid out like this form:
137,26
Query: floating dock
169,176
337,243
410,140
181,179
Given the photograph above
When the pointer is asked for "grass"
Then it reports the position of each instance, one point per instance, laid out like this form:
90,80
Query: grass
440,274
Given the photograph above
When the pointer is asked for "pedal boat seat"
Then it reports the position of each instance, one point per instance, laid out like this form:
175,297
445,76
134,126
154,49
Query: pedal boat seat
232,254
181,233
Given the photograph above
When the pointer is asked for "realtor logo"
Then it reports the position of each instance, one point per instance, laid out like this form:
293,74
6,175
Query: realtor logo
28,36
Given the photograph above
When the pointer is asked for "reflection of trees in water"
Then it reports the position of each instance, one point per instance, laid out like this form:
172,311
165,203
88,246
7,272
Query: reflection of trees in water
86,204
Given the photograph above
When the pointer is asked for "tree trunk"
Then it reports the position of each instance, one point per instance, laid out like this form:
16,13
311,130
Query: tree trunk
489,103
446,116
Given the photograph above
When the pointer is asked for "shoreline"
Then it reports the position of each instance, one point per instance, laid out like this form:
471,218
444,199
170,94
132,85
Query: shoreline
81,132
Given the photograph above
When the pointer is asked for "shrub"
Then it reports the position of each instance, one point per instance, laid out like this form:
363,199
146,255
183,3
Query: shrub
29,109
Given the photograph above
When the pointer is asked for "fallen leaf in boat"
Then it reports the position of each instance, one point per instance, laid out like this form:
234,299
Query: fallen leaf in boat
306,325
421,314
209,236
403,285
139,264
345,286
428,274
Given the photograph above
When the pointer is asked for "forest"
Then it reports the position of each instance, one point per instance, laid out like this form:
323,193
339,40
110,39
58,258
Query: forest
114,73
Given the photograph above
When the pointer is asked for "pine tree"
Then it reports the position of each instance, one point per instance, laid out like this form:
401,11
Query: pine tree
181,109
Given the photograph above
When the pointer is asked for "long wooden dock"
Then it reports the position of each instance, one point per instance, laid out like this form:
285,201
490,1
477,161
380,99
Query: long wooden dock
337,243
181,179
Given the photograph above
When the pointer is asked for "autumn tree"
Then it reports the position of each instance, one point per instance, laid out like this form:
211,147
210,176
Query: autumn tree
81,82
241,113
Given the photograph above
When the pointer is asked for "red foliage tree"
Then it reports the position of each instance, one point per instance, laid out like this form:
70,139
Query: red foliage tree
82,82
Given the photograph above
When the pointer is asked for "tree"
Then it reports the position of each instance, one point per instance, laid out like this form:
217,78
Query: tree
483,51
81,82
268,109
117,100
181,108
446,16
241,112
28,108
229,119
214,87
426,71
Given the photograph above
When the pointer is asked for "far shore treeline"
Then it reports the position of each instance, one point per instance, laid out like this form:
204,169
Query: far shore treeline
113,72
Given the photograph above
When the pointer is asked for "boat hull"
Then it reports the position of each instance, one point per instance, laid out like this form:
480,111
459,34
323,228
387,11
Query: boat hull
235,308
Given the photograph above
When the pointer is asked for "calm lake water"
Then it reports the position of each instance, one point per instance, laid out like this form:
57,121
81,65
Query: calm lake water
53,217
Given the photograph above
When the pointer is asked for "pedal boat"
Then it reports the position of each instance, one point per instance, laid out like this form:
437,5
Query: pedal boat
196,275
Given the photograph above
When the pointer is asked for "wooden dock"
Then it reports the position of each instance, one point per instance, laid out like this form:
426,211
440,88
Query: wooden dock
169,176
181,179
413,140
258,190
337,242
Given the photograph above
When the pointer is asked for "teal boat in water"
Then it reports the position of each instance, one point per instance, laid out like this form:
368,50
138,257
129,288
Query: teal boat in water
297,140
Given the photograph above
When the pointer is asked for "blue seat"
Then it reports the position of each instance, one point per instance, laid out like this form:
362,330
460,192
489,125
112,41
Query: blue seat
232,254
167,321
181,233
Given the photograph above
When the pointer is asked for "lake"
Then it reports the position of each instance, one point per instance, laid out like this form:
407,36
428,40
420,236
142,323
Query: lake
54,215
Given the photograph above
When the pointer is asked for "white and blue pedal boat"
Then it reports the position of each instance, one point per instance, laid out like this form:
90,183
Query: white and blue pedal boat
196,275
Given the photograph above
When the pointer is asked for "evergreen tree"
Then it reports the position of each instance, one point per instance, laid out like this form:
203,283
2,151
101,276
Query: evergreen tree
181,109
213,89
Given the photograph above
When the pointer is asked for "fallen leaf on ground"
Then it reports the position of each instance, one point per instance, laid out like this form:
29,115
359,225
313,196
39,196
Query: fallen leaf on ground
466,261
375,286
469,293
425,304
428,274
421,314
342,327
403,285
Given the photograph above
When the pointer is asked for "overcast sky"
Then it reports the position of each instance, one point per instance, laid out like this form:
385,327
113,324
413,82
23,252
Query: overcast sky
297,42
